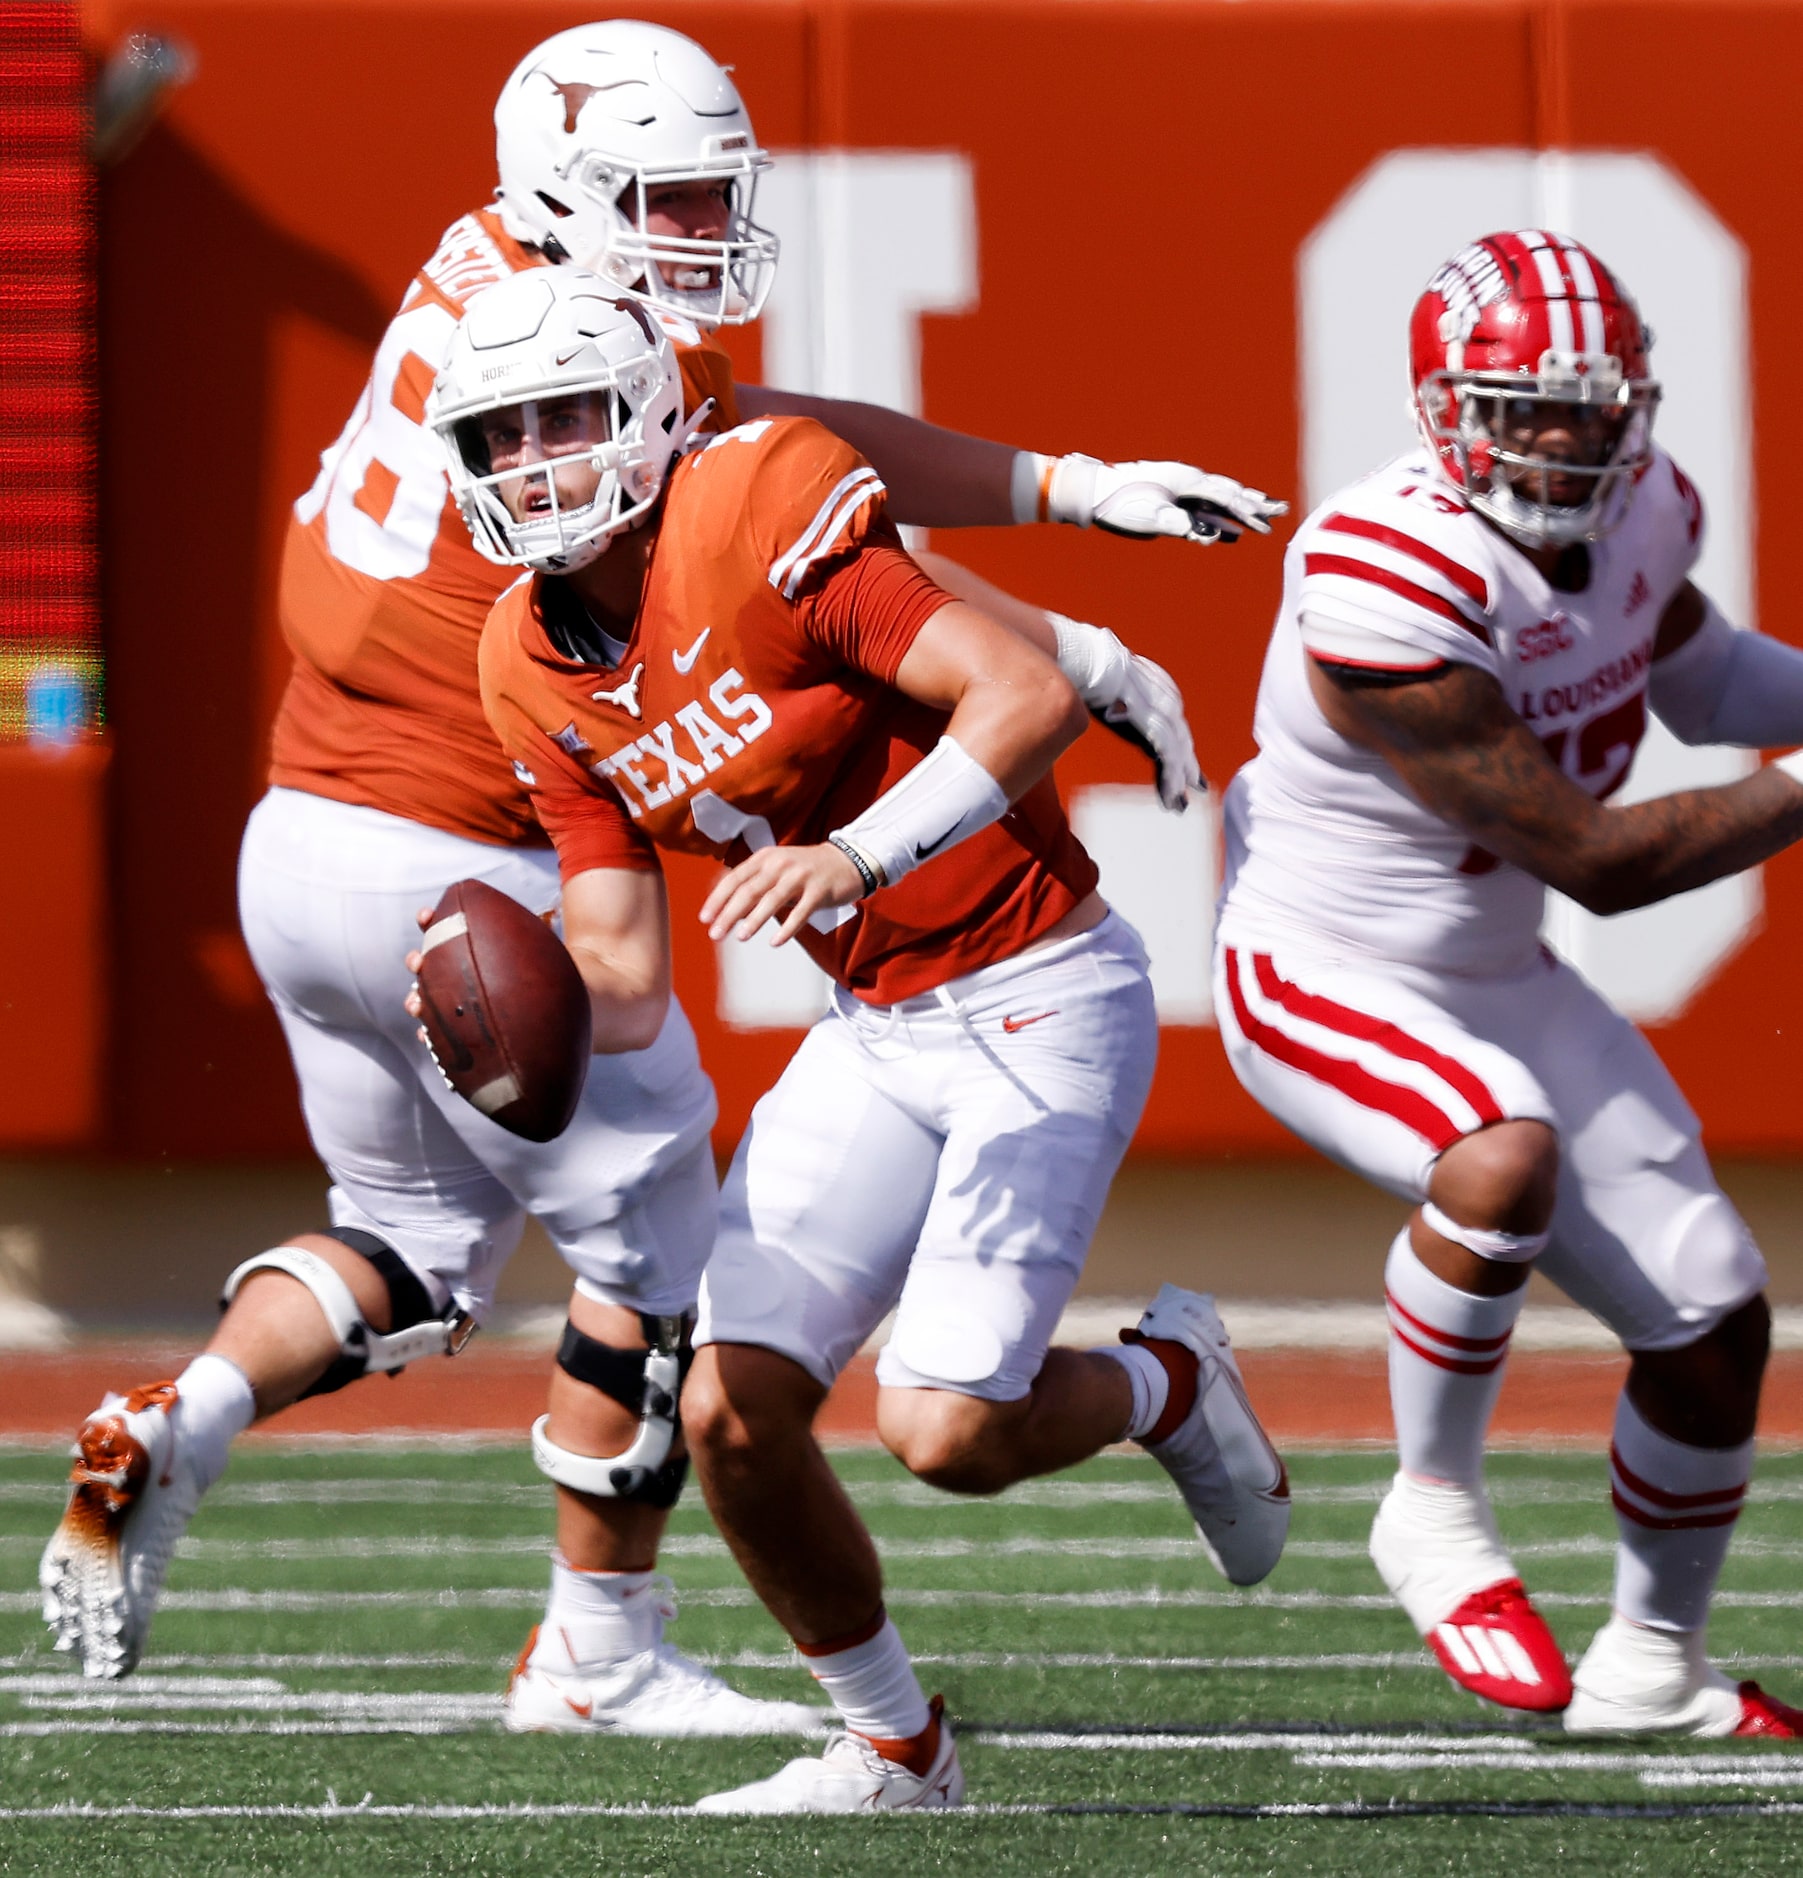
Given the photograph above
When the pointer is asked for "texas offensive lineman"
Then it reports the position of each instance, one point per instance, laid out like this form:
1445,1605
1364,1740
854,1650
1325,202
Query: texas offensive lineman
739,659
1459,676
632,145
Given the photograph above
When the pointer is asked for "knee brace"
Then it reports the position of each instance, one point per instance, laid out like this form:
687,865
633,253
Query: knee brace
649,1383
1506,1248
419,1329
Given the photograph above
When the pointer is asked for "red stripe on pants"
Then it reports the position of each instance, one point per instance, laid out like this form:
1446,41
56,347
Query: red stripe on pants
1407,1106
1368,1029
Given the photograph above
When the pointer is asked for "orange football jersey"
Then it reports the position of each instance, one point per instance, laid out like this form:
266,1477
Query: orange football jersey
755,702
383,596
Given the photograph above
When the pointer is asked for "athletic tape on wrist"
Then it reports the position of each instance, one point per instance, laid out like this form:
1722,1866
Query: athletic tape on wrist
1029,486
1070,490
1791,765
945,798
1506,1248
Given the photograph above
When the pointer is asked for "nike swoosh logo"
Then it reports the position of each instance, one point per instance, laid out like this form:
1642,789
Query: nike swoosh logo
584,1709
683,660
1012,1024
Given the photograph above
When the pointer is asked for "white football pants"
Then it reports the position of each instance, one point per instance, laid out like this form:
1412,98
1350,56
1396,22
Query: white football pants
1383,1067
328,893
948,1156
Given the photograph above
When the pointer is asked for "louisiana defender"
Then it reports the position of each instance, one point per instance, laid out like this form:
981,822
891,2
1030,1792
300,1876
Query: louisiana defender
1468,644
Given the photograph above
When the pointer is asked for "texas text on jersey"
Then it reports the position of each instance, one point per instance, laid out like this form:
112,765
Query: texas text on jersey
383,596
1397,573
754,704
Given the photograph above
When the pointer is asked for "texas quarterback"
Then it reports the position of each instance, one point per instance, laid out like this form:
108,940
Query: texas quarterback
626,143
1467,647
728,652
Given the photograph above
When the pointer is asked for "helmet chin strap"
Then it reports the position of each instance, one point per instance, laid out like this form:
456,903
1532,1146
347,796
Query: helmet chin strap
682,439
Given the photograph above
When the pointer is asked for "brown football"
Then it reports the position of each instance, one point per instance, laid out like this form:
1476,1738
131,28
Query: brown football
505,1010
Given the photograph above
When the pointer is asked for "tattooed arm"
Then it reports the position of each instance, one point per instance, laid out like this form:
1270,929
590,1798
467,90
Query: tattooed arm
1460,750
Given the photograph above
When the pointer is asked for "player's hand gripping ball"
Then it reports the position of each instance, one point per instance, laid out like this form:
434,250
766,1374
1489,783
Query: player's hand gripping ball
505,1011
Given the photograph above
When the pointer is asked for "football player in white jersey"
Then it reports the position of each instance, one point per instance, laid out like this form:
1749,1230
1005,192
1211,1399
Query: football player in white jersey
1468,644
625,146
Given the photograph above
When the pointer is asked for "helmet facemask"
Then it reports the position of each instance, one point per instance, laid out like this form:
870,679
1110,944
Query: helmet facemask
720,280
543,479
1538,498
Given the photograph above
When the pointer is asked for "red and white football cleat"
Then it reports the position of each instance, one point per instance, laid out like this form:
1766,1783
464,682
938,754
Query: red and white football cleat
1635,1680
1498,1646
1764,1715
1436,1546
133,1489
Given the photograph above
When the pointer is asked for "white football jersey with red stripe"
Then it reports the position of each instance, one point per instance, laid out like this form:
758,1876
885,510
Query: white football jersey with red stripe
1326,847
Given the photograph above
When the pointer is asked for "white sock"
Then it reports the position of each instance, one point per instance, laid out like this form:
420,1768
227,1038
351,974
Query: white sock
601,1617
871,1682
1675,1508
1148,1379
214,1406
1447,1350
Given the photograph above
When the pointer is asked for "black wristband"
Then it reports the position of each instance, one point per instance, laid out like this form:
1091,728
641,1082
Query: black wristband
866,872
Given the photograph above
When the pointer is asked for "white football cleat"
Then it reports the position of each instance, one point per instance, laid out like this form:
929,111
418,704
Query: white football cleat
1636,1680
655,1691
1231,1478
852,1777
134,1488
1437,1548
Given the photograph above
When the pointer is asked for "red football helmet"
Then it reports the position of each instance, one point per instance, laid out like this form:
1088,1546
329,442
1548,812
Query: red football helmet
1529,367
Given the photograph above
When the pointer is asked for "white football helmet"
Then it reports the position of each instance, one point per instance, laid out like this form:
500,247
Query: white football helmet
560,409
599,115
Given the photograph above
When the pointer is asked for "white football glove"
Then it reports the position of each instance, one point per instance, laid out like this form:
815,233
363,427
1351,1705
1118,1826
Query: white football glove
1136,699
1146,500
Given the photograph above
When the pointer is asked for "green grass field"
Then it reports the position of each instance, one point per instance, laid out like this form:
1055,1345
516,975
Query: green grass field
323,1688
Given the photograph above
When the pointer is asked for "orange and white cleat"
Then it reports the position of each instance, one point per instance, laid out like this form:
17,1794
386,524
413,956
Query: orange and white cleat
133,1490
1436,1546
1232,1479
854,1775
1635,1680
652,1689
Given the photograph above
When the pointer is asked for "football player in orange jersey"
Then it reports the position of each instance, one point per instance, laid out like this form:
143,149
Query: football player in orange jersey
387,786
726,650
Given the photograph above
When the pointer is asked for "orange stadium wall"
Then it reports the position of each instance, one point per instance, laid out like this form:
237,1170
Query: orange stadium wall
1140,189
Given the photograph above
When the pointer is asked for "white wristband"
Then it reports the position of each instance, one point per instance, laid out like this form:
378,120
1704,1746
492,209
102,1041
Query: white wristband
944,798
1029,485
1791,765
1053,488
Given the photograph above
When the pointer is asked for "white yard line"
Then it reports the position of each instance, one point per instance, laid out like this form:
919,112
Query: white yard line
701,1546
531,1597
334,1812
52,1682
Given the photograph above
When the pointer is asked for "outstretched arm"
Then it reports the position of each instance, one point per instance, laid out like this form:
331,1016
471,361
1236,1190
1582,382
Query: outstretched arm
944,479
1452,738
1126,693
